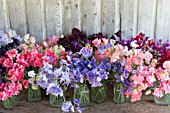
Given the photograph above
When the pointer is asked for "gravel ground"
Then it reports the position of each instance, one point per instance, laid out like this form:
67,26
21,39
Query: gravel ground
146,105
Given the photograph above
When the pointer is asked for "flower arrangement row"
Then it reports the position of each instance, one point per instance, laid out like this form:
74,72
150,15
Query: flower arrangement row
136,66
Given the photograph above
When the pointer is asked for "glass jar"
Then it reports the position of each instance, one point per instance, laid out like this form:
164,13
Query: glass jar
56,101
165,100
10,102
118,96
34,95
99,94
82,93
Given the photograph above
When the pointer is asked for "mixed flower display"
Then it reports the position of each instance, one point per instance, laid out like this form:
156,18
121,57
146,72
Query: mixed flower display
136,66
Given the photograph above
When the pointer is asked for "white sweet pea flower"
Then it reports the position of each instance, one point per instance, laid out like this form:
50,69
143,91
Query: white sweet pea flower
99,79
133,44
31,74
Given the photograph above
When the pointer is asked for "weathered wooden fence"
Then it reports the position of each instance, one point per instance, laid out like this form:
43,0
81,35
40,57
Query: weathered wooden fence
42,18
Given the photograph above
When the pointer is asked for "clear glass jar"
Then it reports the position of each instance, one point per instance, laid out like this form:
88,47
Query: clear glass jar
118,96
34,95
10,102
56,101
165,100
82,93
99,94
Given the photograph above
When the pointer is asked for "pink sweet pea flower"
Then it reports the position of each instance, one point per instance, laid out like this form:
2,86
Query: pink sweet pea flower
8,63
114,57
158,92
18,86
136,60
166,87
162,74
12,53
166,65
148,57
96,42
137,79
25,84
3,96
136,95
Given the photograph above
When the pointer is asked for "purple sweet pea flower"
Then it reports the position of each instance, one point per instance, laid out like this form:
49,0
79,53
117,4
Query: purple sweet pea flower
86,52
101,49
77,102
122,90
54,90
79,109
125,74
67,106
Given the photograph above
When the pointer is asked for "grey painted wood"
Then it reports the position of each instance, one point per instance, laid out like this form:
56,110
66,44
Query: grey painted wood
53,17
43,18
18,18
70,15
163,20
108,17
129,18
36,19
146,19
4,15
89,16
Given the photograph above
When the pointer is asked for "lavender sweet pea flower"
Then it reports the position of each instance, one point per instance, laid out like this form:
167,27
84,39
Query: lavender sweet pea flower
54,90
79,109
101,49
67,106
86,52
47,66
77,102
122,90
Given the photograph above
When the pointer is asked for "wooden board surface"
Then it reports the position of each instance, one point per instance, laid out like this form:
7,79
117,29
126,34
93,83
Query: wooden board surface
146,19
89,16
4,15
53,17
108,17
43,18
18,18
70,19
128,18
36,19
163,20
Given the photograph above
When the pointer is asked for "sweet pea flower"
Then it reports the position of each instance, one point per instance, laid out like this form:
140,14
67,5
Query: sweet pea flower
158,92
67,106
96,42
31,74
166,65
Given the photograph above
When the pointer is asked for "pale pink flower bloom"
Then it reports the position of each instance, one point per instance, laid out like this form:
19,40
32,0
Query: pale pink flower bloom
96,42
166,87
148,57
162,74
137,79
136,95
158,92
166,65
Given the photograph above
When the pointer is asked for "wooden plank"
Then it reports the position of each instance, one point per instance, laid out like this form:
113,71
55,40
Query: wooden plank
108,17
4,15
89,16
36,19
163,17
18,18
147,17
70,15
129,14
54,17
